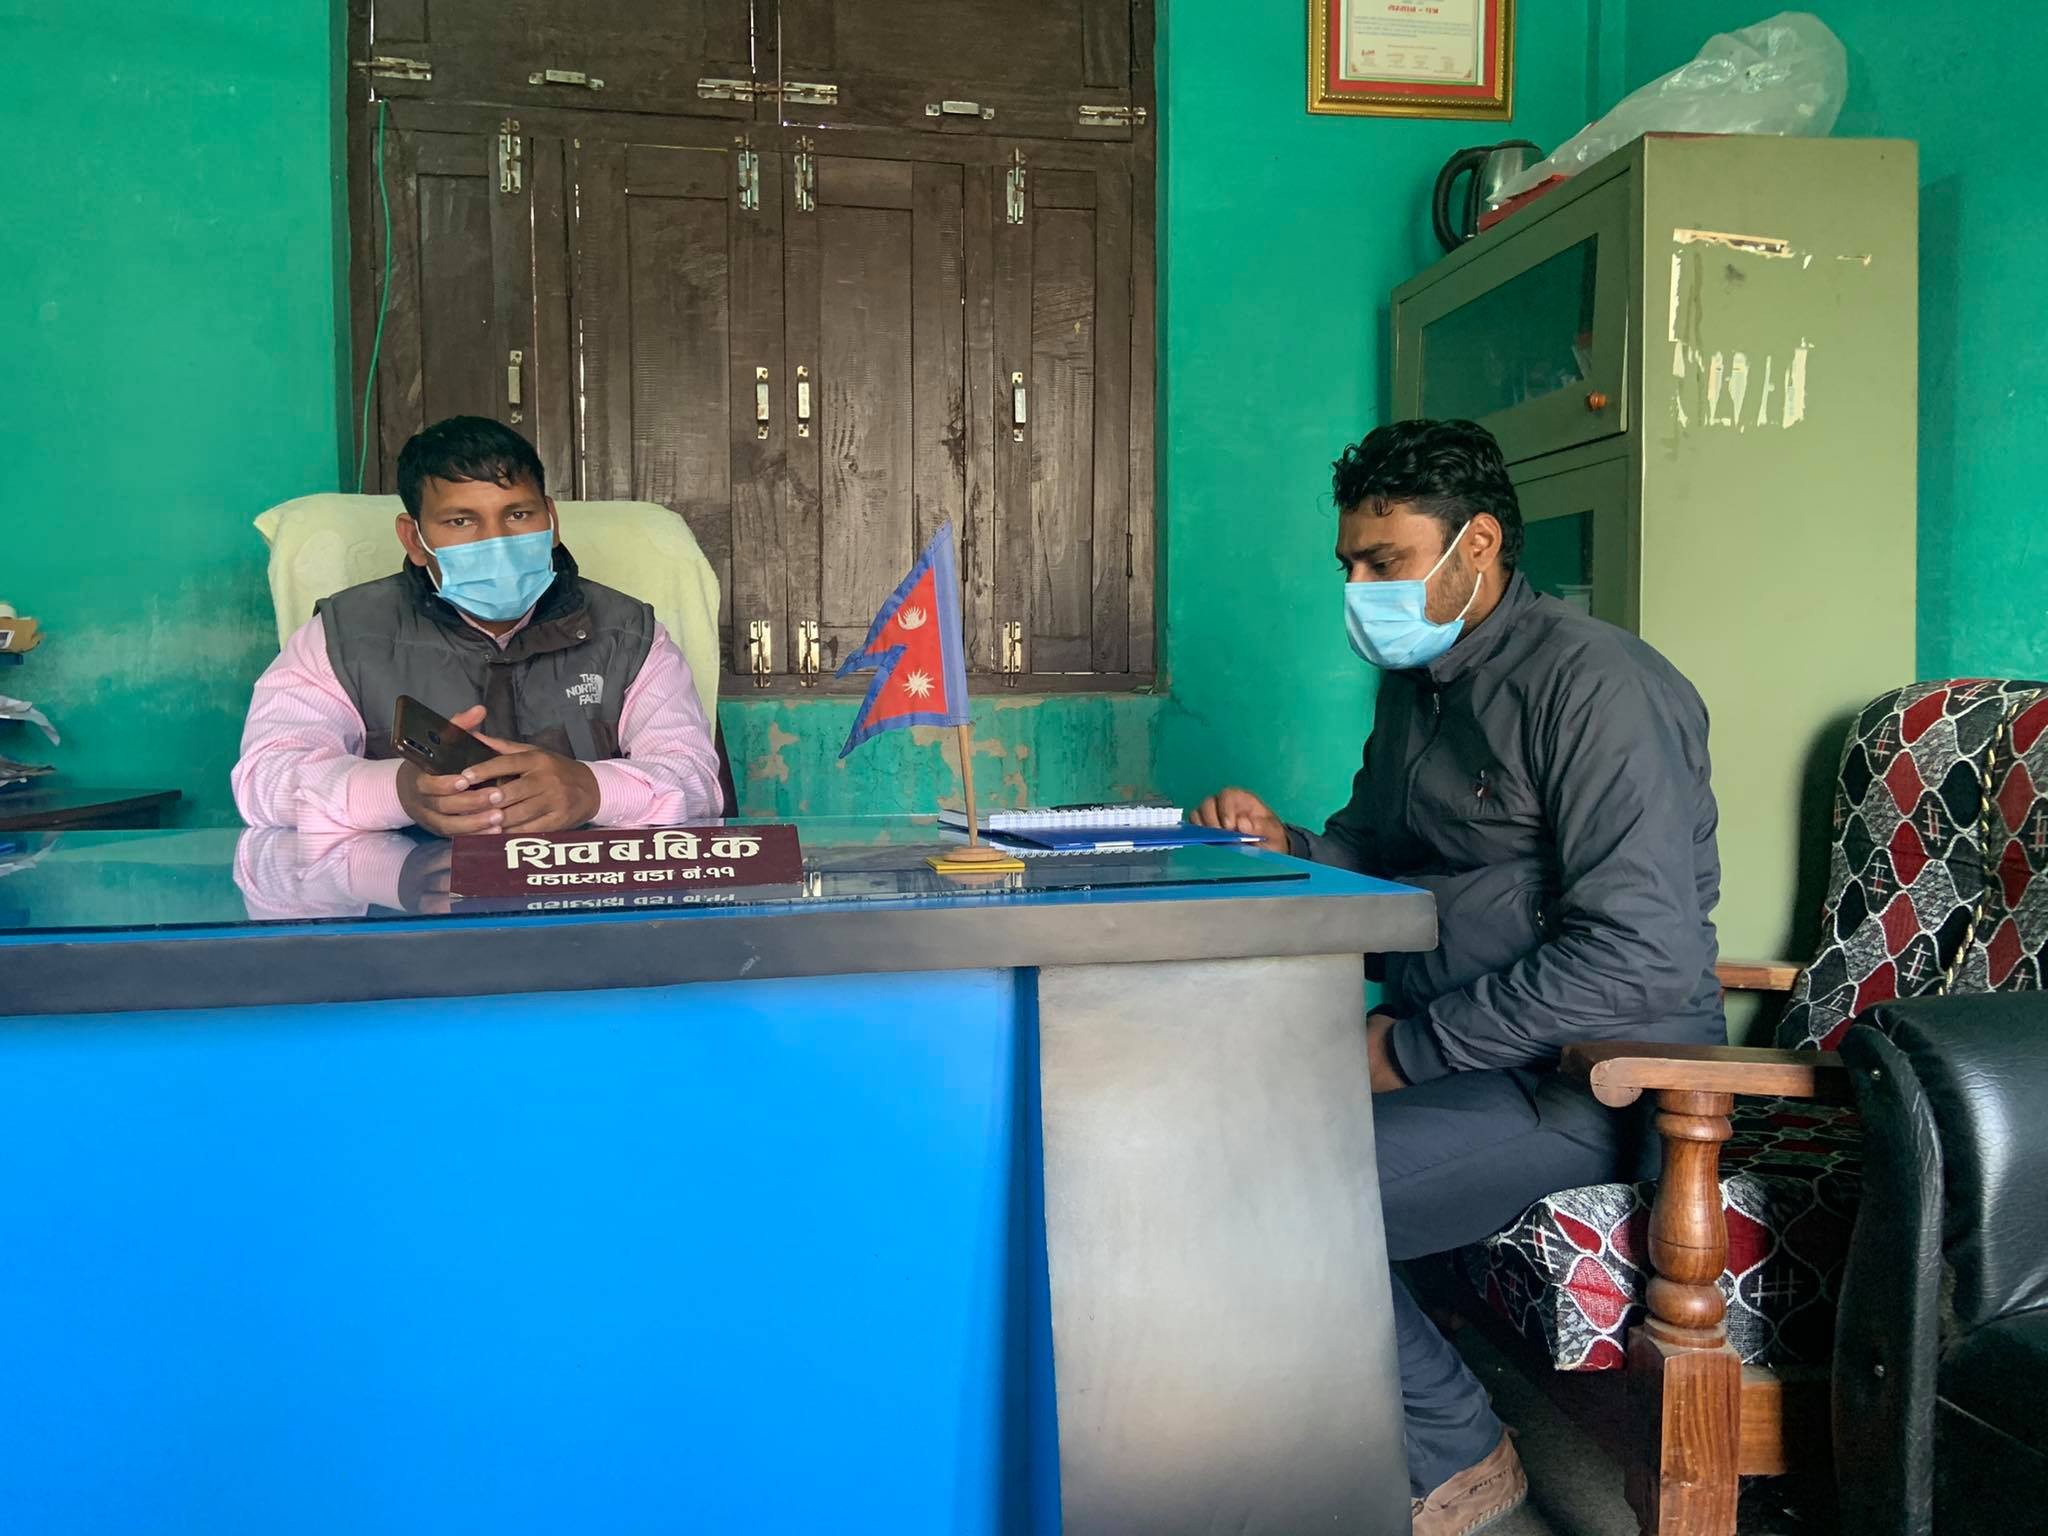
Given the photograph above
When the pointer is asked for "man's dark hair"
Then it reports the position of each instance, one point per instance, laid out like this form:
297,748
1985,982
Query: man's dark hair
1447,470
466,448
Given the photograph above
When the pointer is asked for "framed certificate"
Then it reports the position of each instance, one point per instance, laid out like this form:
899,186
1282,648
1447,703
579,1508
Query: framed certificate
1412,58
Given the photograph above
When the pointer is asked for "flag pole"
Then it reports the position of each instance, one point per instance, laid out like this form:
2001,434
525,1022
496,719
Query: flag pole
976,851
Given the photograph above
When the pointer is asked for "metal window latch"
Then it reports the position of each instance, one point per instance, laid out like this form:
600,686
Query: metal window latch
803,403
565,77
1020,407
1013,652
807,653
730,90
749,167
804,176
388,67
761,651
808,93
515,367
1112,117
958,109
761,406
1016,180
511,152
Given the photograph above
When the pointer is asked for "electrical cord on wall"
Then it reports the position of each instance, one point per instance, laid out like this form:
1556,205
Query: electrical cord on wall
383,304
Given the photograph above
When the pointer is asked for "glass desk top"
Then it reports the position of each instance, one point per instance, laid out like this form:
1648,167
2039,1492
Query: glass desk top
83,882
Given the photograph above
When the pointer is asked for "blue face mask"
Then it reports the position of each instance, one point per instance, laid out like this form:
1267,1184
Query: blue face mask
497,579
1388,621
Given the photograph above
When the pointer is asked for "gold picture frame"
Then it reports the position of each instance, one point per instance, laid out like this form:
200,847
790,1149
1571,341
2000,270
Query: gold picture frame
1349,83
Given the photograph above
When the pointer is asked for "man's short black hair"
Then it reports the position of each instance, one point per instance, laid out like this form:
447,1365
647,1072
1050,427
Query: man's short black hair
466,448
1447,470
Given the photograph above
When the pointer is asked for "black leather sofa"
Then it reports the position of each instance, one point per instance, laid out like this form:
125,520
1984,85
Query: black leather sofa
1941,1346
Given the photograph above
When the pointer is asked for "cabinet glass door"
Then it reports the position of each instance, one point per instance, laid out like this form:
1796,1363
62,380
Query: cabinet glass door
1577,540
1528,338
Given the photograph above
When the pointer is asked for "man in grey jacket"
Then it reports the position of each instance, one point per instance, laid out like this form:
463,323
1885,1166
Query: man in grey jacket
1545,776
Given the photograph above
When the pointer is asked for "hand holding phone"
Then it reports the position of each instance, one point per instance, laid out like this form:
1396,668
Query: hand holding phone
432,787
455,783
434,744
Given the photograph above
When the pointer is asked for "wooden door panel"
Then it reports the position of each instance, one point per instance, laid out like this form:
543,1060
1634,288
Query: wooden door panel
648,54
664,277
464,254
875,272
1065,501
1027,69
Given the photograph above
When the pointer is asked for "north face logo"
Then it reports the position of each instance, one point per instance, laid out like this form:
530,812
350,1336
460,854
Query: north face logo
589,689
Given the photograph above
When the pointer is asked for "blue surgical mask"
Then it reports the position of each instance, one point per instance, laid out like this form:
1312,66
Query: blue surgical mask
497,579
1389,624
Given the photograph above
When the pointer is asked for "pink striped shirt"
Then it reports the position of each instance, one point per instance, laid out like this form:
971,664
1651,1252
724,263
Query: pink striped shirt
302,761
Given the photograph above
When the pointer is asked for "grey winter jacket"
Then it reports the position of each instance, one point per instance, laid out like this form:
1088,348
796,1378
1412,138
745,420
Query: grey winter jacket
1547,780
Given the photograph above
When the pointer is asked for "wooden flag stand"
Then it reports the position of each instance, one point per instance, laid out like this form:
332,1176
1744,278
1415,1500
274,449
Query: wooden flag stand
977,858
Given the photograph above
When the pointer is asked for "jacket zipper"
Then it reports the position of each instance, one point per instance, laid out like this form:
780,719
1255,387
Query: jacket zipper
1436,720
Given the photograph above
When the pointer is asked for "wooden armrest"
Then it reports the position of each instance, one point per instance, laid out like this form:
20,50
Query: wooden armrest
1619,1071
1756,975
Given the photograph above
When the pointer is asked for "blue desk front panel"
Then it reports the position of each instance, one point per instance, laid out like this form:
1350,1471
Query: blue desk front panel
720,1258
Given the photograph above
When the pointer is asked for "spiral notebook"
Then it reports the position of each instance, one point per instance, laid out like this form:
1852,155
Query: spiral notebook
1068,818
1092,829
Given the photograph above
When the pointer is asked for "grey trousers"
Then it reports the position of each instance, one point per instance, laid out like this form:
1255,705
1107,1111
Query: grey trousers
1459,1158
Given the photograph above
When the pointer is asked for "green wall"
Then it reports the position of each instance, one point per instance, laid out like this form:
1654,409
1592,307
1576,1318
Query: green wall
168,321
1983,602
1284,233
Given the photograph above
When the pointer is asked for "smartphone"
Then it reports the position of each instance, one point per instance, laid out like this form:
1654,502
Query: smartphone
431,744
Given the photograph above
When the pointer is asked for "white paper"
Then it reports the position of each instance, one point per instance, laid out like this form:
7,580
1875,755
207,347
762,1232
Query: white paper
21,709
1438,41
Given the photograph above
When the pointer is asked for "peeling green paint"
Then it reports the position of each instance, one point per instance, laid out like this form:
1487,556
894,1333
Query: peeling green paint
1046,750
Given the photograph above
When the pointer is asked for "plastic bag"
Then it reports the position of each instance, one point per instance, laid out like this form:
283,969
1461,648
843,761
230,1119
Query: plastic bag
1784,76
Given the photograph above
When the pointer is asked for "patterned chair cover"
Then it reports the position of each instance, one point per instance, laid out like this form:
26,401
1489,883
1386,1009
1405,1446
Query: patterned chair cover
1937,883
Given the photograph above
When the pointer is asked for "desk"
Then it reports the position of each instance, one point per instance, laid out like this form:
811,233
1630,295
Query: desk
878,1205
45,807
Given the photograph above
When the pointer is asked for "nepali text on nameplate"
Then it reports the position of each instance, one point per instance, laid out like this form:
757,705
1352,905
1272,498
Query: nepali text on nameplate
588,863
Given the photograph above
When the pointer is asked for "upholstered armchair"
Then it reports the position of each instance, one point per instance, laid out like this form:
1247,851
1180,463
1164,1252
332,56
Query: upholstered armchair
1716,1288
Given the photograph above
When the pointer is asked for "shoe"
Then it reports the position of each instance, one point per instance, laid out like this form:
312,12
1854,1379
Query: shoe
1476,1497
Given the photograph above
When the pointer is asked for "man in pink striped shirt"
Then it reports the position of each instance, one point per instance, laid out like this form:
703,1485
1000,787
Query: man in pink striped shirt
583,695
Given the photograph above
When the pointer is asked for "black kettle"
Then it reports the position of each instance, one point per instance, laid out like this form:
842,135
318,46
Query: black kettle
1491,167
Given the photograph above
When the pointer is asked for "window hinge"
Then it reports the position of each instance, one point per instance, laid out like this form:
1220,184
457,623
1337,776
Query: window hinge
749,164
958,109
1016,213
807,653
387,67
1013,652
1112,117
565,77
761,651
511,150
515,368
804,173
803,400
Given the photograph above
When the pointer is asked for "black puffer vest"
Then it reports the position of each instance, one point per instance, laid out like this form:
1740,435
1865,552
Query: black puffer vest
560,683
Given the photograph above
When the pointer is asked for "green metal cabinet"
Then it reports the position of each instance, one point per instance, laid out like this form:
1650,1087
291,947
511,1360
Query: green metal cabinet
1700,359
